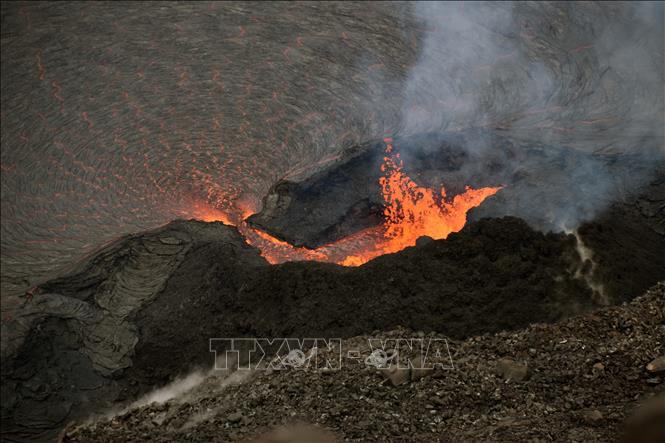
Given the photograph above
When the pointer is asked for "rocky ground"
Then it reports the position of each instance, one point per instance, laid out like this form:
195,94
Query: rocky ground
138,314
141,311
576,380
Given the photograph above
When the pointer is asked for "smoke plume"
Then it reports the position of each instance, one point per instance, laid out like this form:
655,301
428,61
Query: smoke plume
586,77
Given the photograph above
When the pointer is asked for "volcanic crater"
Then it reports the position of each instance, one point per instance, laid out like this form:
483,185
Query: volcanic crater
177,172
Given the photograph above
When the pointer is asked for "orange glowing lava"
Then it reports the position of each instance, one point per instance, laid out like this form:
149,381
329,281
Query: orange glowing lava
410,212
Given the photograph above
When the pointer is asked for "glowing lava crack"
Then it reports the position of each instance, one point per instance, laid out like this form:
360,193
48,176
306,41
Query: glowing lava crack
410,212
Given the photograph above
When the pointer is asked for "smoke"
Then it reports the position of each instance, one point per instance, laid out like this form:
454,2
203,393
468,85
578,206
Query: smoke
447,88
177,389
174,389
187,388
585,78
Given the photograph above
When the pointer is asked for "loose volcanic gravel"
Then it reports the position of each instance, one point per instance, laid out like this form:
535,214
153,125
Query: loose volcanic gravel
577,380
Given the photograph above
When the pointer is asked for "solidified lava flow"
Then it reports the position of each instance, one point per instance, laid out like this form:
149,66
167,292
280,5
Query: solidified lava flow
116,120
410,212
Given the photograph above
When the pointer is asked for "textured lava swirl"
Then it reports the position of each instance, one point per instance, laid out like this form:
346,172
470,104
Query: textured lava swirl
118,118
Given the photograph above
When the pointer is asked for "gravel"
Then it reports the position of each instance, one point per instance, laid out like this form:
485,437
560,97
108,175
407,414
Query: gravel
586,376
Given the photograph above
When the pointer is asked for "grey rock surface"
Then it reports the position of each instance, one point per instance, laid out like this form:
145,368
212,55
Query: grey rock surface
64,351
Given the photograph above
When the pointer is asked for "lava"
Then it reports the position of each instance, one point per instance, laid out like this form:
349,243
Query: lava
410,212
413,211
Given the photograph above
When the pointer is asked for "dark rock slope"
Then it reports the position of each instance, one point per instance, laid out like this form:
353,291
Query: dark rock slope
142,310
496,274
584,377
67,350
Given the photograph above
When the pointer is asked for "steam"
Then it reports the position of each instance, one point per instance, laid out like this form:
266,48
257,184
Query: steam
587,268
173,390
583,77
445,89
188,388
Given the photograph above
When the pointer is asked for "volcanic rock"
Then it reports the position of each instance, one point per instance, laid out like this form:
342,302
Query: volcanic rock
296,434
598,367
418,369
626,240
593,417
656,365
423,240
472,404
124,314
512,370
111,327
235,417
345,197
537,182
396,375
68,347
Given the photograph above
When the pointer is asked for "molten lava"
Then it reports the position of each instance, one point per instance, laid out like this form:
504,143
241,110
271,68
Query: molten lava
410,212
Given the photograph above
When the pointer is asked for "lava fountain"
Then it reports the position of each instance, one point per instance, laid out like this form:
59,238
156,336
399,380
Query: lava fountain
410,212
